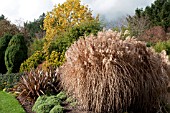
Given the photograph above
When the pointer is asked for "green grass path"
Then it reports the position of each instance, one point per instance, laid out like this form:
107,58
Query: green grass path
8,104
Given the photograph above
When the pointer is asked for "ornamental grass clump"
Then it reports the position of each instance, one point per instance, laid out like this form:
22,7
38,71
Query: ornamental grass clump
107,74
36,83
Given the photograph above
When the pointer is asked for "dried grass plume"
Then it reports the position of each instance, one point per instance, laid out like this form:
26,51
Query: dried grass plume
107,74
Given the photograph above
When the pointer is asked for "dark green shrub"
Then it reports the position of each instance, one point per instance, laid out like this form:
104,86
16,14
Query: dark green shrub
9,80
15,53
3,45
149,44
37,45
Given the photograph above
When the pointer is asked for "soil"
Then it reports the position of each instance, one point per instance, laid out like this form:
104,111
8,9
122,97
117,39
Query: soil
27,105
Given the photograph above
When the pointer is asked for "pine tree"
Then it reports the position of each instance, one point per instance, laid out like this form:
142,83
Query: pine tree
159,13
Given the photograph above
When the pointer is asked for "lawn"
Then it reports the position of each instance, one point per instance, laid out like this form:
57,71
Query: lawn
8,104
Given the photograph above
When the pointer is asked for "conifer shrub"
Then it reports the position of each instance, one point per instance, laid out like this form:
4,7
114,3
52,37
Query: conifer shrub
106,74
32,62
44,104
3,46
51,104
15,53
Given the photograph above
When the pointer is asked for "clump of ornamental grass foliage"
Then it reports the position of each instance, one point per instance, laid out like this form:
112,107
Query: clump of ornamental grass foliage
36,83
107,74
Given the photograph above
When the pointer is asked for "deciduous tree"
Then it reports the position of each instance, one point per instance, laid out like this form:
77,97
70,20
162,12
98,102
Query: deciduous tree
64,16
7,27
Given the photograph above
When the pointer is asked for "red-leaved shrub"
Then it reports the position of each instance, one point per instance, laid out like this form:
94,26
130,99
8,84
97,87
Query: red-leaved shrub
154,34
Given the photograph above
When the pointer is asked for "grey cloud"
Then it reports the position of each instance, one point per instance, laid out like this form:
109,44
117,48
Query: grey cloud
114,9
31,9
27,10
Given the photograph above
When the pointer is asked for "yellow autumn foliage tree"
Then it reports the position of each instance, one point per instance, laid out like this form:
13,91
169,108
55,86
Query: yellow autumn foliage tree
64,16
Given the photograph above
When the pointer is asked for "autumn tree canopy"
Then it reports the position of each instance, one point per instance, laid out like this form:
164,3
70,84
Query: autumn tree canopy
7,27
64,16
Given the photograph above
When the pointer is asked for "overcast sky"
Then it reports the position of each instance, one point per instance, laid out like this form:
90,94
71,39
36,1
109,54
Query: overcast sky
28,10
